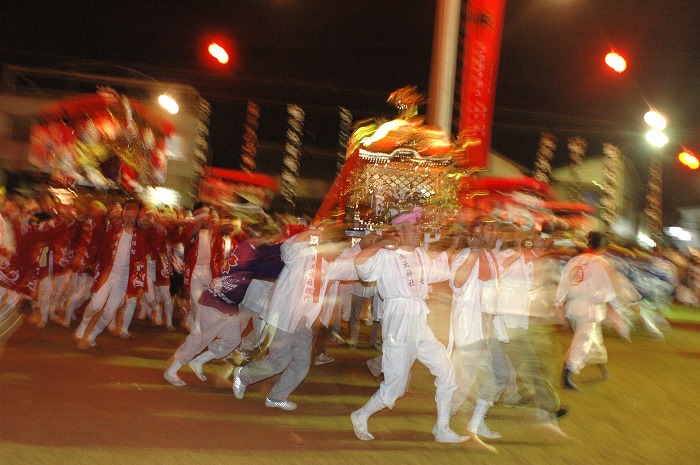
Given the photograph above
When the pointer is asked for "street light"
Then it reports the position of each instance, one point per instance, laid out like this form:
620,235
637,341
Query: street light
168,103
657,138
655,120
218,52
616,62
688,159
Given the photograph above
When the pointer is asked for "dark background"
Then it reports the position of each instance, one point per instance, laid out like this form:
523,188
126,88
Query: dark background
322,54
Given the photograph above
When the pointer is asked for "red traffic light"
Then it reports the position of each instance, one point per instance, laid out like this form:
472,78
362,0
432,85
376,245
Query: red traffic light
218,52
689,160
615,61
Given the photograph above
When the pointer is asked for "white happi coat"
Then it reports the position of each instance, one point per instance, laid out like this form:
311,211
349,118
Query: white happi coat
514,289
291,301
402,280
257,296
586,287
469,301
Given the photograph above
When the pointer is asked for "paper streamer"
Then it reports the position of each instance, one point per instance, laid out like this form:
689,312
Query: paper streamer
544,157
292,149
249,150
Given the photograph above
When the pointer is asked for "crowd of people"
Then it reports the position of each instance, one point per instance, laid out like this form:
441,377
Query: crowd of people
268,294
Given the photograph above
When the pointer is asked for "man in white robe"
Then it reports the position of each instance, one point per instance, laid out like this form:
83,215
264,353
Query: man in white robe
585,291
295,303
403,275
476,348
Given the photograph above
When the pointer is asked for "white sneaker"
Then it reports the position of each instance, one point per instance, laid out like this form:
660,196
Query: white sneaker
80,331
359,424
486,432
446,436
322,359
238,386
336,338
173,379
197,369
283,404
375,366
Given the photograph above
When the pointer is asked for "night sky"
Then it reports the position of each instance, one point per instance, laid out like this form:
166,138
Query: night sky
325,53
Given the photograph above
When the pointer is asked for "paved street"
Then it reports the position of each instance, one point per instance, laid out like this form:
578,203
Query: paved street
110,405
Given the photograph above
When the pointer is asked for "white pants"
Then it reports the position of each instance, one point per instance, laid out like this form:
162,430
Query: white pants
290,355
78,293
586,346
109,298
201,278
43,300
155,295
254,337
219,332
61,286
466,361
495,372
398,358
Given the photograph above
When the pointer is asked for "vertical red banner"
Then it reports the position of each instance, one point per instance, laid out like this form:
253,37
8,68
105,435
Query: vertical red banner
482,46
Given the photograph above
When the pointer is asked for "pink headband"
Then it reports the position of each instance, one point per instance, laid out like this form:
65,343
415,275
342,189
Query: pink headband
413,217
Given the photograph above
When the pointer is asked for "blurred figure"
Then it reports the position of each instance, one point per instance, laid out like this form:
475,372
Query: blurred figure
474,284
121,272
542,324
19,274
218,327
322,334
257,297
92,230
312,259
157,299
60,256
361,294
655,278
205,242
9,212
41,299
583,295
516,282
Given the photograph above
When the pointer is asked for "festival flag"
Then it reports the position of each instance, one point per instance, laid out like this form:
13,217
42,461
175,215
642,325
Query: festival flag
482,43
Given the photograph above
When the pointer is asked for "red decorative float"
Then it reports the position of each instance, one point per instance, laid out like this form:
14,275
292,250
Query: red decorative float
394,166
231,188
104,139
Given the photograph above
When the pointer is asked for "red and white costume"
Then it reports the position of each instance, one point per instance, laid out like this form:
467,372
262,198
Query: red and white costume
90,237
20,273
121,274
205,255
